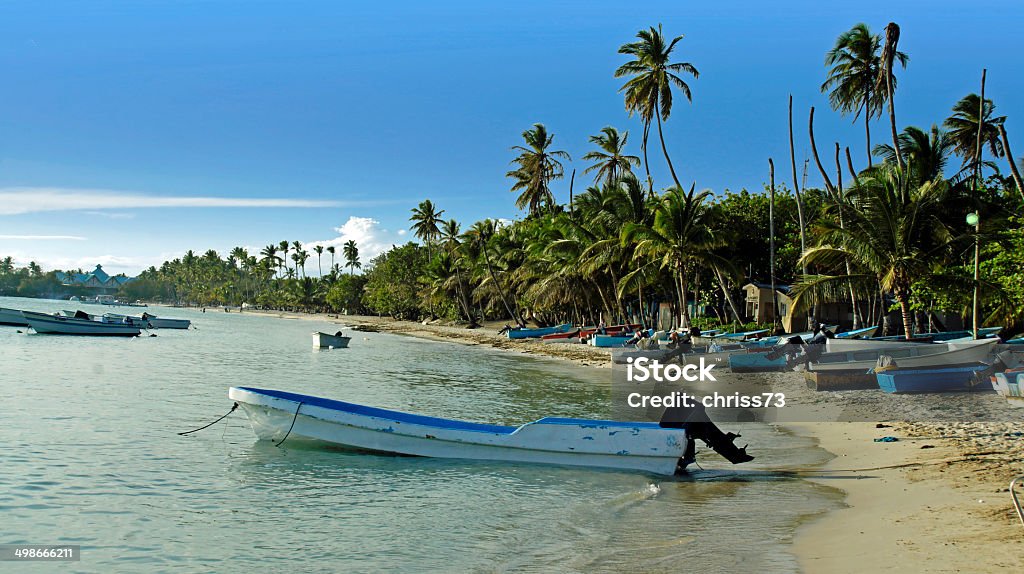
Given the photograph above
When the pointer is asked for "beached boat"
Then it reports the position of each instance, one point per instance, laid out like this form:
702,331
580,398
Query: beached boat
641,446
524,333
12,317
154,322
608,341
950,379
1008,385
327,341
739,335
946,335
858,333
60,325
572,336
912,355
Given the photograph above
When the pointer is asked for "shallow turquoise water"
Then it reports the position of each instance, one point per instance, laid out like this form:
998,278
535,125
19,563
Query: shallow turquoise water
89,455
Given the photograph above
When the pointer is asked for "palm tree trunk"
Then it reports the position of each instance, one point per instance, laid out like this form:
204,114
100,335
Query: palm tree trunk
1013,164
647,166
497,285
664,150
615,288
849,166
799,204
684,309
908,318
728,296
867,123
771,243
839,197
814,151
892,38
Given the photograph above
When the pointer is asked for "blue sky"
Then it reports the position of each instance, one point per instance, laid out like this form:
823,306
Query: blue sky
303,118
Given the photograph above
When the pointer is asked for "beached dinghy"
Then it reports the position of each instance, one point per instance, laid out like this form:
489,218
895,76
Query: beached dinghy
58,325
642,446
911,355
524,333
1009,385
326,341
12,317
930,380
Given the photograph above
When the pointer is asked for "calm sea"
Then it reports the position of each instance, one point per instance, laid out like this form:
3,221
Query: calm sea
89,455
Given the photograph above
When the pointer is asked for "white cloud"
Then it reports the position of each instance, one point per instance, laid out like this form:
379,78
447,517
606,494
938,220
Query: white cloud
42,237
370,238
110,214
19,200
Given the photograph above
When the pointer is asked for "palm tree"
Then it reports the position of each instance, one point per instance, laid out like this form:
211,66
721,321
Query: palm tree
963,128
926,153
679,236
855,66
283,247
426,217
887,80
649,91
450,232
479,235
7,265
537,167
894,234
332,250
610,161
270,258
319,249
351,253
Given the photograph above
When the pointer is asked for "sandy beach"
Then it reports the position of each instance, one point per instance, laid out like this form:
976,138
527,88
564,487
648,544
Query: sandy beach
935,500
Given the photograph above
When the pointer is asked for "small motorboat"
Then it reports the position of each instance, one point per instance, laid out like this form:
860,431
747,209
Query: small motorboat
153,321
60,325
328,341
639,446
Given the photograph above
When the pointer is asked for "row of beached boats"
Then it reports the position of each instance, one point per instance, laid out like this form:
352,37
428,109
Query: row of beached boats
82,323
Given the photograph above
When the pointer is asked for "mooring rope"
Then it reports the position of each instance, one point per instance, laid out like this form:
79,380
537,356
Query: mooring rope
295,416
1016,501
233,407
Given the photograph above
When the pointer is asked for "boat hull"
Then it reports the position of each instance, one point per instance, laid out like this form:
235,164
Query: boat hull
535,333
574,442
326,341
914,355
12,317
930,380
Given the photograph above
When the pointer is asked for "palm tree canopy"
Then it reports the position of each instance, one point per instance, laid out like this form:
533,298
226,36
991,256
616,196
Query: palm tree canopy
926,152
649,89
426,217
610,159
855,65
963,128
536,167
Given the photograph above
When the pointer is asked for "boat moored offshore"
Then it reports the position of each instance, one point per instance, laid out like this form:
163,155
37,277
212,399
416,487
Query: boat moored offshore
638,446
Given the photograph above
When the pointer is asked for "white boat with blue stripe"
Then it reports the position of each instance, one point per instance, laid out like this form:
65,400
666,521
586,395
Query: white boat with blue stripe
637,446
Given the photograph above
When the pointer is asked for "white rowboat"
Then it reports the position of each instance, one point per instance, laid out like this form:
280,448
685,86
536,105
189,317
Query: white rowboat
327,341
640,446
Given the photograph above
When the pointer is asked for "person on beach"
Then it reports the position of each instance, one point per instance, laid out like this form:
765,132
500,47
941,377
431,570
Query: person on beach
602,328
637,337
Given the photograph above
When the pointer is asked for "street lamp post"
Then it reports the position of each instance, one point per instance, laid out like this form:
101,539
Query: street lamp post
973,219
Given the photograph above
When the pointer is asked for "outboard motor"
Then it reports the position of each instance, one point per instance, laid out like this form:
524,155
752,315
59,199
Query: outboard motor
698,426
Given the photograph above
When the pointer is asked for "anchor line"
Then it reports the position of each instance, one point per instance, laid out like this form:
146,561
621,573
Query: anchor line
295,416
233,407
